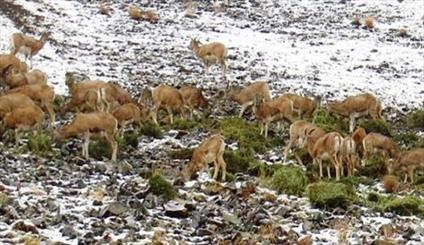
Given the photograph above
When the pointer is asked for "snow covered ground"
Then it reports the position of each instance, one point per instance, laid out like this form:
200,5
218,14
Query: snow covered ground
303,46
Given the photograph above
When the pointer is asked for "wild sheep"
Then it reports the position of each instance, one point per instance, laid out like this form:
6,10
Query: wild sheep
86,124
170,98
210,150
407,162
194,98
357,106
23,119
245,97
210,53
29,46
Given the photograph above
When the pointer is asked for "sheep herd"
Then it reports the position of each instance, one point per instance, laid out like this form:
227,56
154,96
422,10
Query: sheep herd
106,108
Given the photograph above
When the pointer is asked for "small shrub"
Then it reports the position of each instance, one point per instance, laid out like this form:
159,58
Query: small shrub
180,124
160,186
324,119
4,200
373,197
390,183
416,119
330,195
181,154
408,205
39,143
369,22
151,130
58,103
375,167
408,139
403,32
129,139
263,170
290,180
356,180
238,161
99,148
245,133
376,126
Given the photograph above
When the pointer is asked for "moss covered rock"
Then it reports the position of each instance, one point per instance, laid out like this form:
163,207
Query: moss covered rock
330,195
290,180
160,186
408,205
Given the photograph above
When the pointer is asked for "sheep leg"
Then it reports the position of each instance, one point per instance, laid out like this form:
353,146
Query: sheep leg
224,69
114,145
216,169
411,175
298,158
155,115
86,145
16,136
171,116
328,171
320,168
223,165
243,108
352,123
286,150
406,178
266,129
261,125
338,167
51,113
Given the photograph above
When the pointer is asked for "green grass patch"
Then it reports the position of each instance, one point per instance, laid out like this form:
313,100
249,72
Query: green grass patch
238,161
289,180
160,186
416,119
129,139
324,119
330,195
376,126
151,130
375,167
407,205
181,153
245,133
39,143
99,148
180,124
4,200
58,102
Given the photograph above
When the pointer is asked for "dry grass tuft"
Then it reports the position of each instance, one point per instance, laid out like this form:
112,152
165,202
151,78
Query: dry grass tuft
390,183
356,21
369,22
403,32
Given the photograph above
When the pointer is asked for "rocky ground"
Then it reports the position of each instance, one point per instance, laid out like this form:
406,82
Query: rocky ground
49,194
